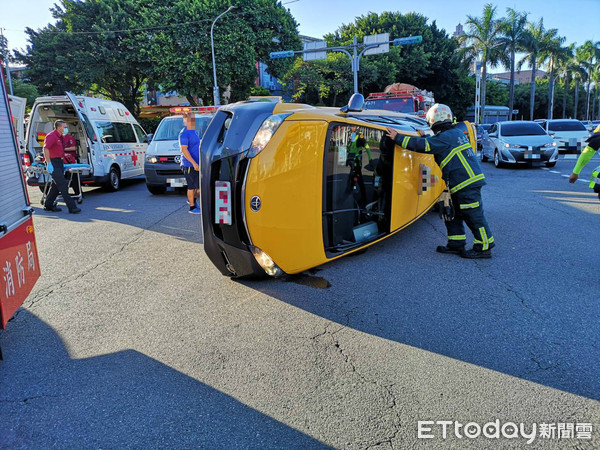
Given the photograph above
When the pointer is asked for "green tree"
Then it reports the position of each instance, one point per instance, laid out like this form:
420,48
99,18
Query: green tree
512,39
532,45
181,55
564,71
482,40
551,53
589,55
90,48
431,65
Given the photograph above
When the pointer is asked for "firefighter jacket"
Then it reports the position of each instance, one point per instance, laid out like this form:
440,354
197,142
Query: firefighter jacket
453,153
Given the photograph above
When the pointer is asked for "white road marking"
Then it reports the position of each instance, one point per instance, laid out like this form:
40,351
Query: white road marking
571,156
554,171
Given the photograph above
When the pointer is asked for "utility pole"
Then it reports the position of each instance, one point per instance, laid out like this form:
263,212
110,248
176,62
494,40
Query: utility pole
354,56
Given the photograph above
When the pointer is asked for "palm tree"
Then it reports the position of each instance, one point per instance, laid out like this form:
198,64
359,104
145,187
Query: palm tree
565,71
481,38
551,53
589,54
534,33
579,75
512,39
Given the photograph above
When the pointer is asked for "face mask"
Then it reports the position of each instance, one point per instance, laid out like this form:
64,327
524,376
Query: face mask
65,131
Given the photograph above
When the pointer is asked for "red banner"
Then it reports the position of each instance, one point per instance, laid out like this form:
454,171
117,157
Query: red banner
19,269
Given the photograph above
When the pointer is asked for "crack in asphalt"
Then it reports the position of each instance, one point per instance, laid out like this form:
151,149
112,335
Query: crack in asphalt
387,389
535,359
46,292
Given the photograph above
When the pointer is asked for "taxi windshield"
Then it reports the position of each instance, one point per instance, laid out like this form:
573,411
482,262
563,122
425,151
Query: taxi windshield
169,128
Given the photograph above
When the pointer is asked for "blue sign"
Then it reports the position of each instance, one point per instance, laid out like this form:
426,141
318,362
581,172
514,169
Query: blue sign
284,54
408,40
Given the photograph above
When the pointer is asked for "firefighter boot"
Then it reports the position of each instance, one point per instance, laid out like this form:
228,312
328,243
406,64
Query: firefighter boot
477,254
453,250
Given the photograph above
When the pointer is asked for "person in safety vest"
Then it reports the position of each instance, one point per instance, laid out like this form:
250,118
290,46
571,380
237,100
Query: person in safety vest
462,173
354,159
588,152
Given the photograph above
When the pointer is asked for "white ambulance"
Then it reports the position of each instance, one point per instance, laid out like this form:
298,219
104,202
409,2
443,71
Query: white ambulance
108,137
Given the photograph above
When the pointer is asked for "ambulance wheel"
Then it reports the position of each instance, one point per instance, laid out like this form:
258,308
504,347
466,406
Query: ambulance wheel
156,189
114,179
550,164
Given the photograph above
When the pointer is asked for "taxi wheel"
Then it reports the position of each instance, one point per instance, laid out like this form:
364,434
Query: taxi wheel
483,157
114,179
156,189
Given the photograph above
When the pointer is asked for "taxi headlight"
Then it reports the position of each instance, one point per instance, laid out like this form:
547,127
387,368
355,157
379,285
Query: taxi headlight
151,159
550,144
265,133
266,262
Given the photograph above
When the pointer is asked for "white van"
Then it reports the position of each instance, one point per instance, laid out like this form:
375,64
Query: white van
109,138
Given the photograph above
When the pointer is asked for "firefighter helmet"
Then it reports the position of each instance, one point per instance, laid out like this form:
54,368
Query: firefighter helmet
438,113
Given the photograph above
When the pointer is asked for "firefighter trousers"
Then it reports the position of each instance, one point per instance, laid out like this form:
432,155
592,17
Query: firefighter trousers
468,209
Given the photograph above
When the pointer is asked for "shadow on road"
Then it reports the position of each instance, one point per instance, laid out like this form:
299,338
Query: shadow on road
123,399
132,205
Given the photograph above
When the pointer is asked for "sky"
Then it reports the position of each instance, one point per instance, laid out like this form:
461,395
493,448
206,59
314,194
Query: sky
577,20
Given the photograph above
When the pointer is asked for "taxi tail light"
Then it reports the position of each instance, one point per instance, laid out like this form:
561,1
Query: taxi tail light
265,133
266,262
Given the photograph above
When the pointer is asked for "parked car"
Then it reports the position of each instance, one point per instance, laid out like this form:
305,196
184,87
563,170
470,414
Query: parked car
570,134
482,129
519,142
163,158
280,193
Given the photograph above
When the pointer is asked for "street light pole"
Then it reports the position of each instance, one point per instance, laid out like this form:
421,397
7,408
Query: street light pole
212,46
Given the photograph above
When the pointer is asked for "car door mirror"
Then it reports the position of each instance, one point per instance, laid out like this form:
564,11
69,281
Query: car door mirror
494,135
150,136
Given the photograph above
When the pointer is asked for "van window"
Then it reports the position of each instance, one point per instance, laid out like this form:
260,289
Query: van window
355,189
115,132
107,132
141,135
125,132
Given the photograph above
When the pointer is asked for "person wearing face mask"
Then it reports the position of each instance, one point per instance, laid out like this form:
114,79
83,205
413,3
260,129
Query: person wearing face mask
54,153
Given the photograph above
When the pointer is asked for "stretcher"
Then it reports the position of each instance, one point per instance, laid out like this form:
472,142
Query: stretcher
38,170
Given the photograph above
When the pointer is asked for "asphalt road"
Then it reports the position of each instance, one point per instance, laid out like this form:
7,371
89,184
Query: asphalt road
131,338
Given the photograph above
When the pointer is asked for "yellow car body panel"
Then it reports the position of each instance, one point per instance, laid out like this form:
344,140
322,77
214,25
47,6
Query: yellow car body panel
288,177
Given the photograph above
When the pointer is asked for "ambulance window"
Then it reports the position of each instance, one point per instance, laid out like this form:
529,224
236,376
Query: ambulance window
107,132
125,132
141,135
88,127
354,196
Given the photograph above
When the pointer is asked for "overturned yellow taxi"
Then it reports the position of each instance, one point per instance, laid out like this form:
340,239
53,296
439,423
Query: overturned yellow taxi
287,187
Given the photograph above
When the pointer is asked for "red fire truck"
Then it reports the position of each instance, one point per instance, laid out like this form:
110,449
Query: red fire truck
403,98
19,264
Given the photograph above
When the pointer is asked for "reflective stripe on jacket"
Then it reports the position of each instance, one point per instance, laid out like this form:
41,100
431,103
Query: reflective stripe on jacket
453,153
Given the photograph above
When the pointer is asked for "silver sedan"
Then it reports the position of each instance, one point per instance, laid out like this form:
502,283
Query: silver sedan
518,142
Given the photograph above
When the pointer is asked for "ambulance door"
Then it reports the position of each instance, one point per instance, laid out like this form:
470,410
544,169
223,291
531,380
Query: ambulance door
90,136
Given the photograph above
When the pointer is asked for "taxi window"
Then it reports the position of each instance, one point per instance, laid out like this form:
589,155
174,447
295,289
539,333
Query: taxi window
354,189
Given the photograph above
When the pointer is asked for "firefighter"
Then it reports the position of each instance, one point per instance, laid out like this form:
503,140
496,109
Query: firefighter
588,152
358,143
463,176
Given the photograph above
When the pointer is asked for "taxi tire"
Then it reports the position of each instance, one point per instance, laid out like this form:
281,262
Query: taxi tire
114,180
156,189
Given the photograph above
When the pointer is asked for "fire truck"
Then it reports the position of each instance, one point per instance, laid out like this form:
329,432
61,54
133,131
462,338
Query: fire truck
19,264
403,98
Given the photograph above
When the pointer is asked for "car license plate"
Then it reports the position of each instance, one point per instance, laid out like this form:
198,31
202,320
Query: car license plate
532,156
176,182
223,203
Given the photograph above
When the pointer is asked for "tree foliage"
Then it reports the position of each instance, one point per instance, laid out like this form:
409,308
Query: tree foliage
431,65
115,47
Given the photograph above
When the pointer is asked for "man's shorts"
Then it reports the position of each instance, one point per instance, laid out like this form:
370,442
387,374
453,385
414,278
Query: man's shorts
192,177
